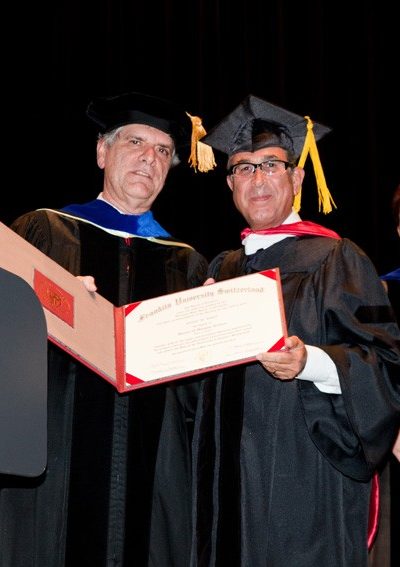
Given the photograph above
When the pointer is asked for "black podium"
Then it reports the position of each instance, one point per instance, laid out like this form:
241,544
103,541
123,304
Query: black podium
23,378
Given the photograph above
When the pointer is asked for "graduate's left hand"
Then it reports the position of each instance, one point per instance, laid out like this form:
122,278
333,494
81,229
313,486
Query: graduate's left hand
287,363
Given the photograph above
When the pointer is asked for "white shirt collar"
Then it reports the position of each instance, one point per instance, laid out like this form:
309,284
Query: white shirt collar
254,242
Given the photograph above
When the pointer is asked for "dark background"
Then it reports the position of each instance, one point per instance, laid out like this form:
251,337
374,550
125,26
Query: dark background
336,62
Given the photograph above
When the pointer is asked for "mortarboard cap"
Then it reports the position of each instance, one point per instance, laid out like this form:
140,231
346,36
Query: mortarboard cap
241,129
112,112
257,124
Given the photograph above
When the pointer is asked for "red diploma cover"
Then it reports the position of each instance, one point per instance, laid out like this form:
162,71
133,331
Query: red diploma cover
157,340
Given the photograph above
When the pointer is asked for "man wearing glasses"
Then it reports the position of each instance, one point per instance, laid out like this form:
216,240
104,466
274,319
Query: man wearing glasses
286,448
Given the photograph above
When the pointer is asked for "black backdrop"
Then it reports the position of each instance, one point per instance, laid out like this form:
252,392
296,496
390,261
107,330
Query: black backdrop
334,61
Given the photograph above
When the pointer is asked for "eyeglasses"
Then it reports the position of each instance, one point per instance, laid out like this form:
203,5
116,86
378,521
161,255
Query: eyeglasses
269,167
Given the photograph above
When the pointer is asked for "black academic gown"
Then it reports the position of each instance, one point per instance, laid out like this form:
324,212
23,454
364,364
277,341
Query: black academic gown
282,470
117,487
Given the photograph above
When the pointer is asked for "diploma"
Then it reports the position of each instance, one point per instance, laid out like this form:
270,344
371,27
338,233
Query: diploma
156,340
203,329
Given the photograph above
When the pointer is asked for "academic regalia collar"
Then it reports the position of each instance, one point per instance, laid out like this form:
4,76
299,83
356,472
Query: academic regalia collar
107,217
254,240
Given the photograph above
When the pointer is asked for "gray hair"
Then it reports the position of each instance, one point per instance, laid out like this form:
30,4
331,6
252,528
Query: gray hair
110,136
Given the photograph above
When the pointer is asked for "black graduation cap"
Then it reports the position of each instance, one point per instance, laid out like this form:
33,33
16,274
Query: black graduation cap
138,108
257,124
244,128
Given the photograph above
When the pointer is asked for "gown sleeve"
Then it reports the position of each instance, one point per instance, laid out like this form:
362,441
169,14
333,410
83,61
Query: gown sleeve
356,429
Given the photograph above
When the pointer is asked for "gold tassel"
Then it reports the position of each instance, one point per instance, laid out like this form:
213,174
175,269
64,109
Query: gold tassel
201,155
325,199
